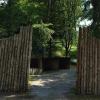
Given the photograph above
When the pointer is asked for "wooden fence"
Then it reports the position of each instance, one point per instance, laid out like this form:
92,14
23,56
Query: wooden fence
15,53
88,81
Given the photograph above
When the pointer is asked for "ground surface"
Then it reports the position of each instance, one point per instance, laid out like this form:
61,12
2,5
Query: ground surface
54,84
59,85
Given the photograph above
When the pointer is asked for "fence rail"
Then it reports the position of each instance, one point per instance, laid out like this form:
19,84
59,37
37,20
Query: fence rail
15,53
88,81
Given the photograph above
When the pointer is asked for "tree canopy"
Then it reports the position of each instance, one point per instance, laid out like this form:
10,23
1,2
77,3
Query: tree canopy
46,17
96,18
91,12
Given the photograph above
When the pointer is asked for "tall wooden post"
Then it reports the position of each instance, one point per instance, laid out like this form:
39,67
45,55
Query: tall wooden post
88,81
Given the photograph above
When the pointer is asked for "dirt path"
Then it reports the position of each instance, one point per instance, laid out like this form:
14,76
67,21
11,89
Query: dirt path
57,85
54,85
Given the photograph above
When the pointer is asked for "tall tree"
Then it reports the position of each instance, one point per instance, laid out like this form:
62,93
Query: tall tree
87,10
96,18
64,15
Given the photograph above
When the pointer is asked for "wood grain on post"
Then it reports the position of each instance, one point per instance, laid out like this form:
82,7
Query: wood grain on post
15,54
88,81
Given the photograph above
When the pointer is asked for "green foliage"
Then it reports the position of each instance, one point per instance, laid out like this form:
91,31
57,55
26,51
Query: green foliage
74,51
65,16
41,35
24,12
58,50
87,10
46,17
96,18
20,12
93,13
44,30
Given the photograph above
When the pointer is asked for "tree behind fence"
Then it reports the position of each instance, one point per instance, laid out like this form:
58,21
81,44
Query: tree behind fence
88,63
15,53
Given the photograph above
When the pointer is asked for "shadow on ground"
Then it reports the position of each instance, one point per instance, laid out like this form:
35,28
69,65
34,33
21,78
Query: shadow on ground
59,85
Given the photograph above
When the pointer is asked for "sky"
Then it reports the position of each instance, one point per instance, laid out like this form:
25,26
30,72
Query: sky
85,22
1,1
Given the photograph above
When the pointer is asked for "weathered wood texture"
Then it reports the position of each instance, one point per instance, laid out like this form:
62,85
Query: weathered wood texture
15,54
88,81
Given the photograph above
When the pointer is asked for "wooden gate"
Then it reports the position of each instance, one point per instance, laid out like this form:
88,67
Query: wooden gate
15,53
88,81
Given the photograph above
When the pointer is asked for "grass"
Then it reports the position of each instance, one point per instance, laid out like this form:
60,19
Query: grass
74,52
59,51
